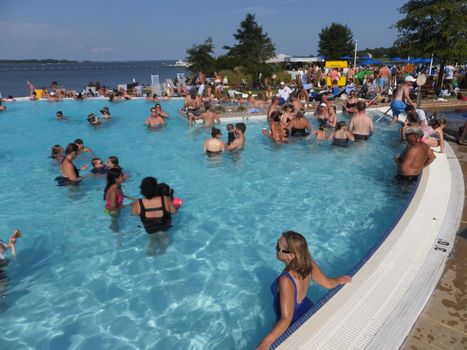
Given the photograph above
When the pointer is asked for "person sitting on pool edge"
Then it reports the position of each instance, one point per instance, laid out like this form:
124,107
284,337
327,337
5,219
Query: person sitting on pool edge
239,142
291,287
361,124
415,157
214,146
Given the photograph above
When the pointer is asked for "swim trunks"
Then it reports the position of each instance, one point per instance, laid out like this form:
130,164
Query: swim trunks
397,107
359,137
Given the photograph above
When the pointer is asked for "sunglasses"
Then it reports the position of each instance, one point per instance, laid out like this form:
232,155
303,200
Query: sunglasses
279,250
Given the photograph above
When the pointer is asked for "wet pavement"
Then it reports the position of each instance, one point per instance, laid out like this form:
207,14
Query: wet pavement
443,322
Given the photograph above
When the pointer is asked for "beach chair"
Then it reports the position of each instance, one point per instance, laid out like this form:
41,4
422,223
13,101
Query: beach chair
232,93
155,85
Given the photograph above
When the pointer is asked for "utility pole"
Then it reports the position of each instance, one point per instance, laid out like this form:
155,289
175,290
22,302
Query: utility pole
355,55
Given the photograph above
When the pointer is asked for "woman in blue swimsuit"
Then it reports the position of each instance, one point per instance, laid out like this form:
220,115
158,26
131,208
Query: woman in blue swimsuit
291,287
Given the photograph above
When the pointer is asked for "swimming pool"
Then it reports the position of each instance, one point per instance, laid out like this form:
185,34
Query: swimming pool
79,283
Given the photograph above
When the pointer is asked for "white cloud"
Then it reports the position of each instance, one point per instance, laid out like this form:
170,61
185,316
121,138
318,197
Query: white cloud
101,49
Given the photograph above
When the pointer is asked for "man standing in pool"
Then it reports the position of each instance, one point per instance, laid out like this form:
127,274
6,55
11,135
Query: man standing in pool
239,141
361,125
415,157
402,97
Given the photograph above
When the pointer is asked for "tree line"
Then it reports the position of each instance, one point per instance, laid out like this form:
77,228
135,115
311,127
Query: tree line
429,27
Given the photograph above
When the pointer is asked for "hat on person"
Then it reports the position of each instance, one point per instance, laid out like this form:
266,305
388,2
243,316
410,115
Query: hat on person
105,110
416,131
282,83
323,105
410,78
52,93
91,115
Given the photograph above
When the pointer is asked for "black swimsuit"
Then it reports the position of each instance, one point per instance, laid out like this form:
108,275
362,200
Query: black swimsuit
299,132
213,153
152,225
340,142
359,137
63,180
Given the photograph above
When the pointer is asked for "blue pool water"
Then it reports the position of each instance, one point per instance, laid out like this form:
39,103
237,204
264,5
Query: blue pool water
79,283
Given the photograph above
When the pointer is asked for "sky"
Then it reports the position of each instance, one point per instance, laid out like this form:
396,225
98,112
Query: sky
106,30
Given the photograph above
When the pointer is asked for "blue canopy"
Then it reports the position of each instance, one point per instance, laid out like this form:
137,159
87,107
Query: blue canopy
420,60
370,61
346,58
398,59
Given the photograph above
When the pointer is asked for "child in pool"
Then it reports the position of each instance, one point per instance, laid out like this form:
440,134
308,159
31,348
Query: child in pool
230,133
11,245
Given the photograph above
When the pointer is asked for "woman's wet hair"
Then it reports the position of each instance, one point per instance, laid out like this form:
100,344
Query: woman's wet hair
112,177
341,125
165,190
149,188
72,147
114,161
215,132
297,245
276,116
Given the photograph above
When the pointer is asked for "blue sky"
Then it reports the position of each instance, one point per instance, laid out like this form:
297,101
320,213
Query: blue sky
144,30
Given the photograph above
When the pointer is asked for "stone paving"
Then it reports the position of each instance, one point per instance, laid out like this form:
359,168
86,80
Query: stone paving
443,322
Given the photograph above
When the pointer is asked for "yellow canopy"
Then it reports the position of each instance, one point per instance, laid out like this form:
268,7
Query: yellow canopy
336,64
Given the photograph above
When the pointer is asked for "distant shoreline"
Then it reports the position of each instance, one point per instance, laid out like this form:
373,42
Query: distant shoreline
49,60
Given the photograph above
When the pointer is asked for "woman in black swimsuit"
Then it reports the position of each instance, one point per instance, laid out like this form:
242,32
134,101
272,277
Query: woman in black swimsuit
69,173
350,105
155,212
299,126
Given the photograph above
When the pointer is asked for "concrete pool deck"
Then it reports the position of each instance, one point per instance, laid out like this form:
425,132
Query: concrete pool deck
443,322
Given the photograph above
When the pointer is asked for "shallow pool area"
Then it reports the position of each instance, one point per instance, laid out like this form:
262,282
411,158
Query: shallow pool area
80,282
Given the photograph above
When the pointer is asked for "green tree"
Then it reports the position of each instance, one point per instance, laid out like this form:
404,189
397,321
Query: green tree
336,41
200,57
253,48
436,27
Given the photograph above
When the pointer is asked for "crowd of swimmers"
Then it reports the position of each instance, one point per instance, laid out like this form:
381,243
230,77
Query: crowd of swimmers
286,118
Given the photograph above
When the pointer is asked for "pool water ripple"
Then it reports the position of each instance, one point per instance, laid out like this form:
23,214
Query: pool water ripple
80,282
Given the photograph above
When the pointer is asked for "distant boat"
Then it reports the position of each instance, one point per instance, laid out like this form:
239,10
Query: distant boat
179,64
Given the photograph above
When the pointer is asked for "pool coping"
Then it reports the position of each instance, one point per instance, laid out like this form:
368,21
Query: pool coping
368,313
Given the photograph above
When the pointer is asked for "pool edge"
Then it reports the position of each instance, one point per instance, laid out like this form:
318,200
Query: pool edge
398,323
